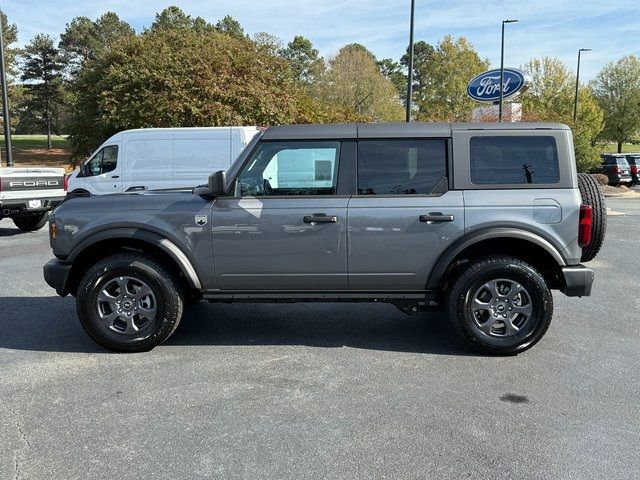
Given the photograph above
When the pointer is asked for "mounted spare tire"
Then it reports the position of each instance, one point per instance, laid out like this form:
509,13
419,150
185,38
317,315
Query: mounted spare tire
591,195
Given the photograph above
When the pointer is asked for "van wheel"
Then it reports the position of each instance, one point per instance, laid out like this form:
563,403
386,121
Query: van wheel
592,195
31,222
129,303
500,305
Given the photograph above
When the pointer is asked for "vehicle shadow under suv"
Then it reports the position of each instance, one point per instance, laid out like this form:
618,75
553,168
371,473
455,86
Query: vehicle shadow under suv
50,324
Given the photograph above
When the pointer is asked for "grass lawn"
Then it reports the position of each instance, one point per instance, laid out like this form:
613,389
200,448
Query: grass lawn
613,148
31,151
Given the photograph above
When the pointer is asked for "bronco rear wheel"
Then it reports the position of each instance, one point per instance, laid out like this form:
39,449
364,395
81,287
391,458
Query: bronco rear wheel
129,302
591,195
500,305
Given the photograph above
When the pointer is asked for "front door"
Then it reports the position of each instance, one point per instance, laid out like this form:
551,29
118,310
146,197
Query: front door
285,227
403,216
103,172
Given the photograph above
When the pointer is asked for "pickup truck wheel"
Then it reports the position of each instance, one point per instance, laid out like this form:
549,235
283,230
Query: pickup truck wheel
31,222
129,303
591,195
500,305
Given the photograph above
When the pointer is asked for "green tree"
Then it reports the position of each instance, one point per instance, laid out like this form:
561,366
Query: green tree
172,18
617,89
441,75
42,72
392,71
84,39
353,81
550,97
182,77
305,60
16,92
230,26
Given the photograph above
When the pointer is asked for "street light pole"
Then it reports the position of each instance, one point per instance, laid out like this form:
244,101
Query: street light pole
5,102
410,75
502,69
575,102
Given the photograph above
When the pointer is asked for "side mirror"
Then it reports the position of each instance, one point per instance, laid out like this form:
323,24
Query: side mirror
216,187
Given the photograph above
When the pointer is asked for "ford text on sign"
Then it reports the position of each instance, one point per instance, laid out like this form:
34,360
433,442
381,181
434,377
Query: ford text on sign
486,86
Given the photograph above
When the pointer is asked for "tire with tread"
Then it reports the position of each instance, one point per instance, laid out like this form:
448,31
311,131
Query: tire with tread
168,293
31,222
473,276
592,195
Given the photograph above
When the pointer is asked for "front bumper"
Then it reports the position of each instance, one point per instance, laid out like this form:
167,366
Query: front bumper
56,274
578,280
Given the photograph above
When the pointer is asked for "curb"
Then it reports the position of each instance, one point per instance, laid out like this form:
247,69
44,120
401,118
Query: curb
622,195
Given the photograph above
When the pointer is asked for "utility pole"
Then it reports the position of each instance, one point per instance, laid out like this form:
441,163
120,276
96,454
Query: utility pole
575,103
410,75
502,69
5,102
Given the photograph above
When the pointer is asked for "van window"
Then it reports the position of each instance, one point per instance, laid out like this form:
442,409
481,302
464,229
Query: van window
400,167
512,160
104,161
291,168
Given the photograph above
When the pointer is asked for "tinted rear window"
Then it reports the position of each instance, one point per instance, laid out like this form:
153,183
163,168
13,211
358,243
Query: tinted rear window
400,167
514,160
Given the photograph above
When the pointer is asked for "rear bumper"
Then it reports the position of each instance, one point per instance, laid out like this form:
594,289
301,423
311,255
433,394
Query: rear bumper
56,274
578,280
9,208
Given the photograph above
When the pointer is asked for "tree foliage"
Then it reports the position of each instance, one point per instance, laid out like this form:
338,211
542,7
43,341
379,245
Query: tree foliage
182,77
617,89
42,70
305,60
84,39
550,97
353,81
441,75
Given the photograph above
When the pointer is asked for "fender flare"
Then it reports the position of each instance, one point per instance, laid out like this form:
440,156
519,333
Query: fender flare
166,245
468,240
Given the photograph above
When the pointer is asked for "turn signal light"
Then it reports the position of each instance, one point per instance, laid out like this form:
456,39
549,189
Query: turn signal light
53,230
585,227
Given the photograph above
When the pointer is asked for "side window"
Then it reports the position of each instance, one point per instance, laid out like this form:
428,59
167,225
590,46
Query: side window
497,160
109,158
291,168
94,166
401,167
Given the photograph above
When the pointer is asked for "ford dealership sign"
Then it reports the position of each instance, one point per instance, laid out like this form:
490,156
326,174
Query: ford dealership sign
486,86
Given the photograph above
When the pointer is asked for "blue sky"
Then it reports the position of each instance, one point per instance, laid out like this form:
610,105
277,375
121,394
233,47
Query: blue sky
547,27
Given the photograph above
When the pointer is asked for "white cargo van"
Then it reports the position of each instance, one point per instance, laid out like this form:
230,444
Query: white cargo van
159,158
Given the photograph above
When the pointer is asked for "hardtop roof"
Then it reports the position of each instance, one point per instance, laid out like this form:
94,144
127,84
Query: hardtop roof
386,130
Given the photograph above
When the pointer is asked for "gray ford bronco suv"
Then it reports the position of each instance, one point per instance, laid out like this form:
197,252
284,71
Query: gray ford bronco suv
482,220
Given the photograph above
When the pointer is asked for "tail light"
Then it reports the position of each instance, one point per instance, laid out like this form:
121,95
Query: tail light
634,169
616,169
65,183
585,227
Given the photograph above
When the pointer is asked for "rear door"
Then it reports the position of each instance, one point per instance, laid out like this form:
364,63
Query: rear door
285,226
403,215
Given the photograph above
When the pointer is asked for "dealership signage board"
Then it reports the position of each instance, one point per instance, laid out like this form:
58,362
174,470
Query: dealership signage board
486,86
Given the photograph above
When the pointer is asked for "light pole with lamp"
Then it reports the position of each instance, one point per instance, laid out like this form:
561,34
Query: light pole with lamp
410,73
502,68
575,102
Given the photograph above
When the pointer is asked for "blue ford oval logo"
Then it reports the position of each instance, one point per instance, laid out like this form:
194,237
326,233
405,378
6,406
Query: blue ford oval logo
486,86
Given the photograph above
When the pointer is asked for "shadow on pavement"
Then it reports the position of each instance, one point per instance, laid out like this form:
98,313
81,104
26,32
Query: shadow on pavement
10,232
50,324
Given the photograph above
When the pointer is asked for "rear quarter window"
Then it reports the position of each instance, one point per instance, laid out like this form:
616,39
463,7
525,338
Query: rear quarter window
513,160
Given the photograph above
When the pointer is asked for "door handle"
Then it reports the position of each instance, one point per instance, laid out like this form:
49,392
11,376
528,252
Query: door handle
432,217
115,176
319,218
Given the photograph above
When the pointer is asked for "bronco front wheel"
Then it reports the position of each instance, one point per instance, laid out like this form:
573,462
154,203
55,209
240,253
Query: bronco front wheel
129,302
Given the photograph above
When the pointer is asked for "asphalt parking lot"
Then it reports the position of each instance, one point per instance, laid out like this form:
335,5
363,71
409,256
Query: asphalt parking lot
320,390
